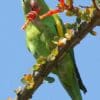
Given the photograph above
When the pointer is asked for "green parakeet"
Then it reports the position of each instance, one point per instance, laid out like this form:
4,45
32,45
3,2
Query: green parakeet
39,37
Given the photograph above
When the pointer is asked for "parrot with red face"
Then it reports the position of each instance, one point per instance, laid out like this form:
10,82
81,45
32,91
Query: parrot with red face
39,36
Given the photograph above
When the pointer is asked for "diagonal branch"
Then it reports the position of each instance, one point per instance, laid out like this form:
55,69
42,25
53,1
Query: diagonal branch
26,94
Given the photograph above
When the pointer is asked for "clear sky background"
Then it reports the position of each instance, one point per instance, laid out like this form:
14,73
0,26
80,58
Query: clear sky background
15,60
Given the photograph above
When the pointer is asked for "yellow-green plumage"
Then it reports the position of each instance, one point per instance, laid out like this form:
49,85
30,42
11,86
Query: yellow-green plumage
39,37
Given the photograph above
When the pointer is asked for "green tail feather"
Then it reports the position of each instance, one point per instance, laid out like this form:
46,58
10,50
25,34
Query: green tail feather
68,78
81,85
75,95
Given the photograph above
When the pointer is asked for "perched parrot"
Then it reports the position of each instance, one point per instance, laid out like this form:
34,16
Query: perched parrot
39,37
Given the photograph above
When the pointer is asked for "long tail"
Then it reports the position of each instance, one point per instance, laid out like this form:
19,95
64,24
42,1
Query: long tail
73,92
81,85
67,76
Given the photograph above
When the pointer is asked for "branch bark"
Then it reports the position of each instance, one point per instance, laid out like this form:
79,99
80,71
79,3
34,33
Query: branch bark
26,94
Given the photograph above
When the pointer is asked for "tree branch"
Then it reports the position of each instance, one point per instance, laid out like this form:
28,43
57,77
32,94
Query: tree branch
26,94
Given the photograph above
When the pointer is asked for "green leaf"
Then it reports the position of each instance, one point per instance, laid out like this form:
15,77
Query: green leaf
55,52
69,26
70,13
93,33
50,79
78,20
23,81
51,57
41,60
36,67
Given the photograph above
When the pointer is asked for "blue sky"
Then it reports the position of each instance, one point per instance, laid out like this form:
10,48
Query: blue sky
15,60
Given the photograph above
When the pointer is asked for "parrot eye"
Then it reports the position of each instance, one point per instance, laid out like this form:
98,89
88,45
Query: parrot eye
33,5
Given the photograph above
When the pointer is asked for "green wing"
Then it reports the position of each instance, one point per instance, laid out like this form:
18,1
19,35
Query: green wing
39,37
